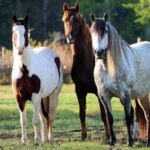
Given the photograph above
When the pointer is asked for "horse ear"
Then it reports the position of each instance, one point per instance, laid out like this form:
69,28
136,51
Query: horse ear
14,18
26,18
77,7
65,7
92,17
105,16
89,23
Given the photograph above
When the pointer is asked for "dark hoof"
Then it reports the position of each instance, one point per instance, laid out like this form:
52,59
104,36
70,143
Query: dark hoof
84,136
148,144
112,143
130,144
36,144
114,139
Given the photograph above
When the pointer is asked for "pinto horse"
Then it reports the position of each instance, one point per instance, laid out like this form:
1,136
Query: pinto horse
78,36
121,70
36,76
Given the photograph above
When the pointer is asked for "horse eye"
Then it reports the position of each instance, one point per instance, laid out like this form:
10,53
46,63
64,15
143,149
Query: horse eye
66,19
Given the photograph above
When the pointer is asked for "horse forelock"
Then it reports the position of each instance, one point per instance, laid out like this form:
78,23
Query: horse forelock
70,12
117,49
21,22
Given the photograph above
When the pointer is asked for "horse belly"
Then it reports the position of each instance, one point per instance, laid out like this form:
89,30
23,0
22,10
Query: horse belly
141,86
50,82
48,73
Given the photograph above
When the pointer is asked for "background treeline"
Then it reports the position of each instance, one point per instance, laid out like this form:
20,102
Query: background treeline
130,17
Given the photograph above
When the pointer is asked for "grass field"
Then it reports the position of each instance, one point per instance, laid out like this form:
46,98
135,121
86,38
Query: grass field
66,127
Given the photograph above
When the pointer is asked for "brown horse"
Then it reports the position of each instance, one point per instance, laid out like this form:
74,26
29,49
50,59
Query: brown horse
78,36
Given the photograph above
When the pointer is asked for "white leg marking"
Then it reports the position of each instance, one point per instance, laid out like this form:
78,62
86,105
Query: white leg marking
36,99
23,122
44,129
53,99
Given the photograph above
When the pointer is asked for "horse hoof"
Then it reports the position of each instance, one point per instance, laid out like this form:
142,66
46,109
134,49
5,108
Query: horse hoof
36,143
84,136
114,139
50,137
24,141
45,140
148,144
130,145
112,143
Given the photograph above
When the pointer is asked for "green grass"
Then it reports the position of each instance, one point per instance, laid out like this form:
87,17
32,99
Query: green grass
66,126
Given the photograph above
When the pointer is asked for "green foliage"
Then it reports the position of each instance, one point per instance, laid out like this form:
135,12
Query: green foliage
142,10
120,16
88,6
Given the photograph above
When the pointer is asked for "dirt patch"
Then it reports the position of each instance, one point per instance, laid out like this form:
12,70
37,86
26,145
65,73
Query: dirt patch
9,136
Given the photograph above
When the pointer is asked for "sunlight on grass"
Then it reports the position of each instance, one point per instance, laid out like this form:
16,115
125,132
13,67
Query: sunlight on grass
66,126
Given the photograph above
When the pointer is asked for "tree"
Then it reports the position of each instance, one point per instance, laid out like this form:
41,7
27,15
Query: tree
142,11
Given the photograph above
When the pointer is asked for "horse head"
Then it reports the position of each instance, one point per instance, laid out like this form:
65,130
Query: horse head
71,19
20,33
99,34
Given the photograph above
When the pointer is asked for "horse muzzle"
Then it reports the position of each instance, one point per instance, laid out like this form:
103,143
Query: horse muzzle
20,51
99,53
70,39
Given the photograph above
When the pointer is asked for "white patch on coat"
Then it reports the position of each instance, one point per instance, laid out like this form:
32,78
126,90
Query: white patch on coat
99,42
19,30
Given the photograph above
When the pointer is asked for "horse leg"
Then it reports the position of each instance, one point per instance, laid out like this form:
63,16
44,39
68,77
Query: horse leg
23,119
44,119
23,122
104,119
145,105
82,111
110,123
36,99
53,100
107,105
44,128
129,119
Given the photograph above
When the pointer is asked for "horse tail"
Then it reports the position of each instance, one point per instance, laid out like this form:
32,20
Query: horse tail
141,119
45,108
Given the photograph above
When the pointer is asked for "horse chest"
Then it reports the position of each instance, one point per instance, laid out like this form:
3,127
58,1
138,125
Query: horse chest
26,85
83,78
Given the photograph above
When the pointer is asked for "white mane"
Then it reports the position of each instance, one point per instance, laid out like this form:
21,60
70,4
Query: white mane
117,49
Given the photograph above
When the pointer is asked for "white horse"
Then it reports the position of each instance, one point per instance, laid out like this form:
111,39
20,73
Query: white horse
36,76
120,70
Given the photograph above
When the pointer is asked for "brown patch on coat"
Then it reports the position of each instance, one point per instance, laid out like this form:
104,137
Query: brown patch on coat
57,61
25,86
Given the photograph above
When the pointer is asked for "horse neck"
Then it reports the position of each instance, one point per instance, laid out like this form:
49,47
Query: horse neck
25,58
119,53
82,48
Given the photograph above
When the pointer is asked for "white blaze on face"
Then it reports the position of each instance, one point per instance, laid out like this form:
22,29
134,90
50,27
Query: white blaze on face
18,38
99,42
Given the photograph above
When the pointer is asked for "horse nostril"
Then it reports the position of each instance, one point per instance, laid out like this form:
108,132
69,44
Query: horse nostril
100,52
72,34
